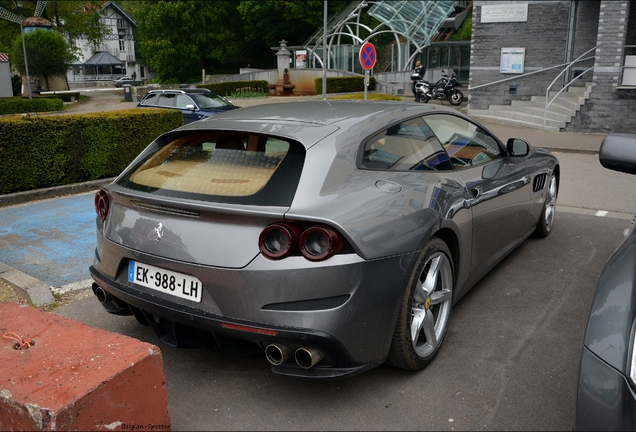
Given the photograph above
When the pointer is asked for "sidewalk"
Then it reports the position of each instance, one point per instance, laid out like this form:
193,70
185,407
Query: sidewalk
56,265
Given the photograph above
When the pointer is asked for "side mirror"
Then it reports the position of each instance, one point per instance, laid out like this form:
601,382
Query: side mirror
517,147
618,152
189,107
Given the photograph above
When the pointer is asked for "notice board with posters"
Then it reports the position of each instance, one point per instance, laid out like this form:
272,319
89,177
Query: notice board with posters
301,59
512,60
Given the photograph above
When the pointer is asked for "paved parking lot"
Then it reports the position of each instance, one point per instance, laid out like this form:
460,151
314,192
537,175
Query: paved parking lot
509,361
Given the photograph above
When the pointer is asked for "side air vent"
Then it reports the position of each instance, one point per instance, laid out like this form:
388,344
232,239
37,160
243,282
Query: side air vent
539,182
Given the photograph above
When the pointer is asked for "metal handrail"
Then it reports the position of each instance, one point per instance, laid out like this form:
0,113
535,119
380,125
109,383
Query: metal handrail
517,76
566,86
533,72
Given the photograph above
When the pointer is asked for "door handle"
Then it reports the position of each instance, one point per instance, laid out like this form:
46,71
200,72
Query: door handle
475,192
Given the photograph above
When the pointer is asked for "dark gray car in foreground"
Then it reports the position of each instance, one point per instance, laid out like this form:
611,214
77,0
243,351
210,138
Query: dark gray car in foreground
333,236
606,399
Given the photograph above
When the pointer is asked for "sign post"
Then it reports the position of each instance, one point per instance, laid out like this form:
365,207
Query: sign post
367,61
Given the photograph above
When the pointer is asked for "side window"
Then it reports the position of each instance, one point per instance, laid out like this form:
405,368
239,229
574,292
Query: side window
183,101
166,100
406,146
466,143
151,99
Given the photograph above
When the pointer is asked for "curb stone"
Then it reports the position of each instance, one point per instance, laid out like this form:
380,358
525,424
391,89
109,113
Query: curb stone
36,291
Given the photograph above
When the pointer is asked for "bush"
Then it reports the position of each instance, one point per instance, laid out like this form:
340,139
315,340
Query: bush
39,152
343,84
227,88
19,105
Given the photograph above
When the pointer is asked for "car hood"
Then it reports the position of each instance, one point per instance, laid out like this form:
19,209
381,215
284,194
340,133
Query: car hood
609,328
219,109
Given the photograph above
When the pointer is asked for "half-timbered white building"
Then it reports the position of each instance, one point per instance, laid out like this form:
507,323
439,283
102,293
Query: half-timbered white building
112,58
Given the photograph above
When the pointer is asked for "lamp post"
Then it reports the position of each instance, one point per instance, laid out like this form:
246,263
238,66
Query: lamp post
19,4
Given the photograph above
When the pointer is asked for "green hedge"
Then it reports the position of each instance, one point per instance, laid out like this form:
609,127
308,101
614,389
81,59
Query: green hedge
18,105
39,152
343,84
227,88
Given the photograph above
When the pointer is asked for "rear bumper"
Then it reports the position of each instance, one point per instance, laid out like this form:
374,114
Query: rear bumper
346,309
605,399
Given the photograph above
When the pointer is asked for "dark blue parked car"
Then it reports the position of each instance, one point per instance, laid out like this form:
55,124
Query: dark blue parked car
606,398
195,104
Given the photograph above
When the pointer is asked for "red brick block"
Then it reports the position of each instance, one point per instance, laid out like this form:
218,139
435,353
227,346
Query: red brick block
77,377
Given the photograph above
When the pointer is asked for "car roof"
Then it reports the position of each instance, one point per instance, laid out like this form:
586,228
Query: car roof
322,112
311,121
182,91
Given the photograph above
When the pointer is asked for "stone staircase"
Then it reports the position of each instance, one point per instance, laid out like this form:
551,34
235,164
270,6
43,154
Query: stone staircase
530,113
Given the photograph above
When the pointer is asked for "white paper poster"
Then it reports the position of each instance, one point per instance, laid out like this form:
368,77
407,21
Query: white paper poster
512,60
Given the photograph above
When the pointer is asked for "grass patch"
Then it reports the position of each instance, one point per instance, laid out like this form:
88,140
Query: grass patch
370,96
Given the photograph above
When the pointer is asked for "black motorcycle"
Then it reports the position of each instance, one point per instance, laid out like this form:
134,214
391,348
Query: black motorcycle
445,88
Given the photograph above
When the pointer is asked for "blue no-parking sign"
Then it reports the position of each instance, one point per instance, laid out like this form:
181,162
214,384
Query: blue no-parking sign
367,56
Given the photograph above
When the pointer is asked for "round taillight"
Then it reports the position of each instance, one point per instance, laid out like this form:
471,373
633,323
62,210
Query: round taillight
102,204
320,242
278,240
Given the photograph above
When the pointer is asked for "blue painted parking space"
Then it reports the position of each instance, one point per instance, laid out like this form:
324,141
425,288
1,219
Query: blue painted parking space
52,240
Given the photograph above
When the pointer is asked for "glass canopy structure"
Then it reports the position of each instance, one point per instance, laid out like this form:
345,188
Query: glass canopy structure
416,22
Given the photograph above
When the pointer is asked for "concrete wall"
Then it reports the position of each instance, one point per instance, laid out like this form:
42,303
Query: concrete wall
543,36
6,90
303,79
387,82
610,107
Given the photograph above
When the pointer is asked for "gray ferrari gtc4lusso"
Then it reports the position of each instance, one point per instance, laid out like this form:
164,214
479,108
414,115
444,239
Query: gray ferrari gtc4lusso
333,236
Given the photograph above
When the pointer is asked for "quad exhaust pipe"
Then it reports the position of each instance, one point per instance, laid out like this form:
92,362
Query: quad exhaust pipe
277,354
306,358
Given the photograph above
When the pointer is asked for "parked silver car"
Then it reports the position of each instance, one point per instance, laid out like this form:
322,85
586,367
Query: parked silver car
333,236
606,398
119,82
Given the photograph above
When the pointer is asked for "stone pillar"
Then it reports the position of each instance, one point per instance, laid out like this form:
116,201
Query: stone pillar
610,44
282,59
283,86
600,112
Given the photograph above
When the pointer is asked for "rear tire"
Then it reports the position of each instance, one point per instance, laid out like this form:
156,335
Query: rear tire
425,310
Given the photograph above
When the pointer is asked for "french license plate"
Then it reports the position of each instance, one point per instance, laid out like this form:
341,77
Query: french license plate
166,281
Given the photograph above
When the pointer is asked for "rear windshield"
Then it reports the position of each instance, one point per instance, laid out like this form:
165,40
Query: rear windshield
228,167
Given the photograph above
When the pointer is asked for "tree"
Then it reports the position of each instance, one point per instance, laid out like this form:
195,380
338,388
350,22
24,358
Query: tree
75,19
48,54
71,18
179,38
266,22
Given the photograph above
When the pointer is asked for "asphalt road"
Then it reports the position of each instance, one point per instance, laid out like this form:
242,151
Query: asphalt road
509,361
